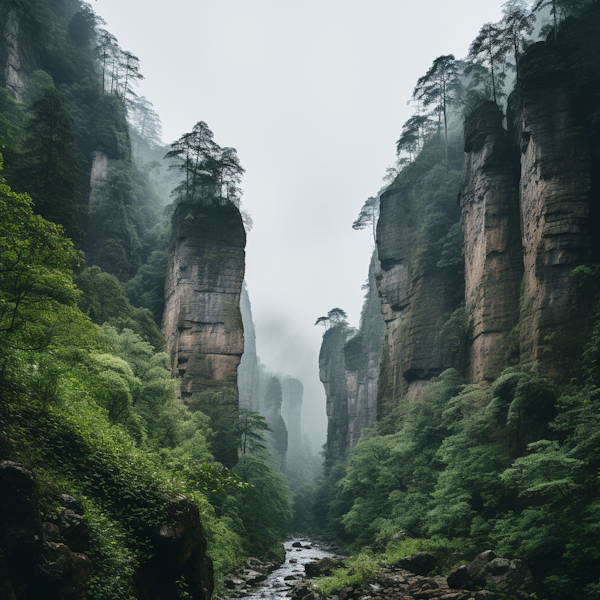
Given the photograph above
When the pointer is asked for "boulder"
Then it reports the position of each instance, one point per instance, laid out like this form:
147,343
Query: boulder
296,545
421,563
51,532
253,577
71,503
20,527
74,530
509,576
346,593
179,550
303,592
252,563
64,572
477,564
320,567
459,579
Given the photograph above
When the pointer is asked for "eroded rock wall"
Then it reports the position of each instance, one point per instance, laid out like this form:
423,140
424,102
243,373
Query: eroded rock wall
202,324
415,301
489,200
554,193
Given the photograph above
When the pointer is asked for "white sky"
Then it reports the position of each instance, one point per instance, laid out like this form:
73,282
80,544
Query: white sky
313,94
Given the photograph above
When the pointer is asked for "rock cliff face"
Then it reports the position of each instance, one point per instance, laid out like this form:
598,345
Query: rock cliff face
202,324
414,300
362,356
43,555
525,200
554,194
489,201
17,54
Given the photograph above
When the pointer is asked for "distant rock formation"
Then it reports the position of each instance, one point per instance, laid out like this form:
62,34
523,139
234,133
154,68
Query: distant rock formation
414,299
291,411
349,365
18,52
248,371
273,401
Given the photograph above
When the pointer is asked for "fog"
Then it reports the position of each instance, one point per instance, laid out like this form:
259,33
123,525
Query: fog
313,96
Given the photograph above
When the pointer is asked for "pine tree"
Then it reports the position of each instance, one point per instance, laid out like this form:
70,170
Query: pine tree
49,170
437,87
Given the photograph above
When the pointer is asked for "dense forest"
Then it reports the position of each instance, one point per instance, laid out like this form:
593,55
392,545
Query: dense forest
145,451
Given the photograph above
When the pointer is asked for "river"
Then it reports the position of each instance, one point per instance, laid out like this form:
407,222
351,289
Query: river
276,586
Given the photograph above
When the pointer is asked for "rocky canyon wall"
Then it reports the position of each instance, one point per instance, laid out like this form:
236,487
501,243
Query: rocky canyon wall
525,200
202,324
554,198
417,294
489,200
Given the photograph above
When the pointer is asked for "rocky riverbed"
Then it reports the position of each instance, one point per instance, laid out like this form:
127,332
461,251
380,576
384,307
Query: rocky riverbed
408,579
267,580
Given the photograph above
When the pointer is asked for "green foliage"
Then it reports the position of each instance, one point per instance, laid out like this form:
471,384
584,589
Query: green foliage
104,301
48,165
264,507
221,406
38,301
359,570
513,467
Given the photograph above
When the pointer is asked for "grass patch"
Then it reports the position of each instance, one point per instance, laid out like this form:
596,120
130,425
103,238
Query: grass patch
359,570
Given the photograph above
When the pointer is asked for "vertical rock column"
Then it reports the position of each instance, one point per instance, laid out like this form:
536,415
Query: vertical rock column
492,243
332,374
248,371
202,323
554,198
291,411
273,401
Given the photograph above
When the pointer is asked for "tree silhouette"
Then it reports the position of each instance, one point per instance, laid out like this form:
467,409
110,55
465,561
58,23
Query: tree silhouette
518,22
489,50
368,215
436,89
49,168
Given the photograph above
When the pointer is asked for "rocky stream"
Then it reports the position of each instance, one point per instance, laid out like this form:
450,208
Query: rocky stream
487,577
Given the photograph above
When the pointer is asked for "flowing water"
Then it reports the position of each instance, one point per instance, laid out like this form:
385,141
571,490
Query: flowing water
276,587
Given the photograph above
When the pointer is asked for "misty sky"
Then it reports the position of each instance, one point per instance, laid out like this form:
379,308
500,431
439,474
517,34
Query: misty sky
313,94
